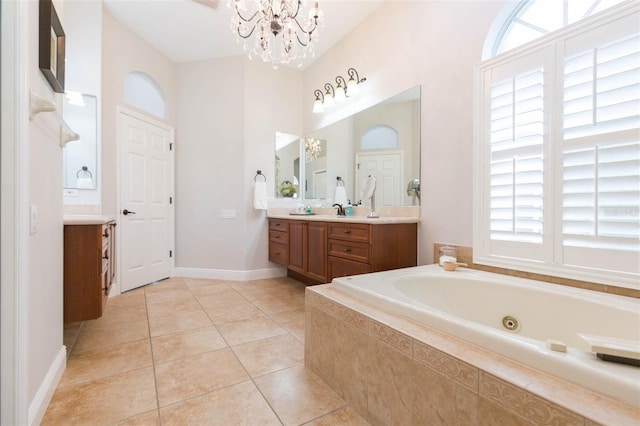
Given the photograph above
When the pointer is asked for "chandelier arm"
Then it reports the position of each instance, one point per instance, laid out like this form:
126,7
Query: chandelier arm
310,30
245,19
250,32
295,15
300,41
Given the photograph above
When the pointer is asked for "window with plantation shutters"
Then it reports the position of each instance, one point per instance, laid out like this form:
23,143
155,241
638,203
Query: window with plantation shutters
601,154
557,158
516,141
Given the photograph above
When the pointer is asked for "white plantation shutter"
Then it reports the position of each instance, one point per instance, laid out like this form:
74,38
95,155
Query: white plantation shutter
601,156
516,166
557,160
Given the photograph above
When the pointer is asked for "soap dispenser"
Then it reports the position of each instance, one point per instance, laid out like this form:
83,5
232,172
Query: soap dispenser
349,208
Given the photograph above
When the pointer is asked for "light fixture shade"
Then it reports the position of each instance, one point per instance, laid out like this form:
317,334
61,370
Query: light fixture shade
352,86
340,94
328,100
317,106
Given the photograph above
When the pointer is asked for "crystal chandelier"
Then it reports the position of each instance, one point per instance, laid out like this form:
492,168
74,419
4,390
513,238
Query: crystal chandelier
312,149
281,32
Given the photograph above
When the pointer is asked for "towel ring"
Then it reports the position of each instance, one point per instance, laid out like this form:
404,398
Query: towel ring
84,170
339,181
259,173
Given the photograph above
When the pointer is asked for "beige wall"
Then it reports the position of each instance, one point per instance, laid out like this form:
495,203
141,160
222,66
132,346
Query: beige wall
435,44
228,112
44,258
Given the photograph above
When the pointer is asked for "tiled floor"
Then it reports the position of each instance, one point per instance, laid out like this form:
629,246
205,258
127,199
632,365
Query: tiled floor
195,352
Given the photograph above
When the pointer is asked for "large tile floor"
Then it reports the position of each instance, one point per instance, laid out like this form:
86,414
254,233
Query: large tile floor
195,352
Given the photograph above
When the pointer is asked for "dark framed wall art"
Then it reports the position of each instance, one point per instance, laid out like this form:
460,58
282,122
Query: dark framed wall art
51,46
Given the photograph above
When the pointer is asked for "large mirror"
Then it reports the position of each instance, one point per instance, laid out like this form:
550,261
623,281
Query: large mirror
80,157
381,141
287,165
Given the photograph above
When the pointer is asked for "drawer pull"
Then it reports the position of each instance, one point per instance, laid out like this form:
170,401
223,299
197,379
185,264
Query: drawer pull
347,250
276,224
348,231
277,237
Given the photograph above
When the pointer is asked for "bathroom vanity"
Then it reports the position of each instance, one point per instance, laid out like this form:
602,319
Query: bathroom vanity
89,265
317,248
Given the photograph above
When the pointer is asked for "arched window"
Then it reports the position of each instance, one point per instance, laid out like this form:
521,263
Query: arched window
521,22
142,91
379,137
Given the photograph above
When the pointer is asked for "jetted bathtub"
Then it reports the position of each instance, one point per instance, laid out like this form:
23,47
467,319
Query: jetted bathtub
517,318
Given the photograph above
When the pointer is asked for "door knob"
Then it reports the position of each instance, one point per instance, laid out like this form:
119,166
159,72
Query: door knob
126,212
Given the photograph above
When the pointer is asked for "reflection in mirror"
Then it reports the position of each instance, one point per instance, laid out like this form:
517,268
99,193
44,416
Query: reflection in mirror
80,157
382,141
287,170
315,157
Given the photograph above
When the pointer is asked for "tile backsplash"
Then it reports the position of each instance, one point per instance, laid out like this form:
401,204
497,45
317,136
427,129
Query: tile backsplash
465,255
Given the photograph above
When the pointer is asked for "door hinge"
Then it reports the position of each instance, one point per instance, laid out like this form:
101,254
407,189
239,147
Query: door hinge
170,200
170,146
170,253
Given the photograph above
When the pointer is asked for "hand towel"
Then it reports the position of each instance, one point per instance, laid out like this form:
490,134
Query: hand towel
341,196
260,196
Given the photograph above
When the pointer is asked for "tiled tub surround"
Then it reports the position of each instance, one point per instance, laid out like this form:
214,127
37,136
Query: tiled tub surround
465,255
393,370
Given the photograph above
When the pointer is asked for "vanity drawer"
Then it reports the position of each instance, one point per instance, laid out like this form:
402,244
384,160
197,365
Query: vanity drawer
278,253
278,225
278,237
358,232
339,267
360,252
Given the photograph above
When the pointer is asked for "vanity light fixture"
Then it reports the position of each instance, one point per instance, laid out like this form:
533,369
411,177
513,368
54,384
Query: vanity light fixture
318,106
340,93
354,81
328,95
283,30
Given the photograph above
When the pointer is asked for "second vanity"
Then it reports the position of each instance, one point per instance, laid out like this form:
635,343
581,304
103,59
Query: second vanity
317,248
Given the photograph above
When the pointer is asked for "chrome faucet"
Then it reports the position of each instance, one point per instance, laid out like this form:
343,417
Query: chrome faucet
341,211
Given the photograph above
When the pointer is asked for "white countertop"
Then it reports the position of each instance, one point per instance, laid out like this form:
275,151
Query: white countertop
87,219
350,219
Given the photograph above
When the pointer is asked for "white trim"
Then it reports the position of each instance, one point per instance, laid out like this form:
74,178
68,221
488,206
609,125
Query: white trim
224,274
120,110
14,167
41,400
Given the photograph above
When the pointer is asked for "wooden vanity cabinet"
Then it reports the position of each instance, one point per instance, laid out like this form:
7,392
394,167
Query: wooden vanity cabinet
360,248
308,249
279,242
319,251
89,269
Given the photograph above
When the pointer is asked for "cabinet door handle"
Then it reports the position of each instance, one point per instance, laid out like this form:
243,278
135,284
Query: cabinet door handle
106,234
105,257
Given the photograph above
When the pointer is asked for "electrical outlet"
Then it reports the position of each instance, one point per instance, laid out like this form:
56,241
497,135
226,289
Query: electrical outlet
228,213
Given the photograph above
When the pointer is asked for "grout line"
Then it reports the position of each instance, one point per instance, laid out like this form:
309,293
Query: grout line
153,361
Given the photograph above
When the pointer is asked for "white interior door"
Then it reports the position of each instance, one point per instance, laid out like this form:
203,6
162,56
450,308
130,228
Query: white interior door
146,212
387,168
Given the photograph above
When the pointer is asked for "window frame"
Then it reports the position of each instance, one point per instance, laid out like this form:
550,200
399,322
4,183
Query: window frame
551,262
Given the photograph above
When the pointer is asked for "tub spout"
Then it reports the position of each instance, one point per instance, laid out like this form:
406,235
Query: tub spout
451,266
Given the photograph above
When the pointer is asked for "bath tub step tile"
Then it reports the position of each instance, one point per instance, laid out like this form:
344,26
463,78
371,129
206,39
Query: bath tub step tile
524,404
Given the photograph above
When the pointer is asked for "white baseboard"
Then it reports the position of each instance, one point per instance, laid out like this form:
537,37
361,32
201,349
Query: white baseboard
223,274
41,401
